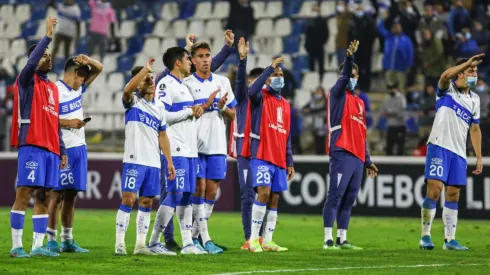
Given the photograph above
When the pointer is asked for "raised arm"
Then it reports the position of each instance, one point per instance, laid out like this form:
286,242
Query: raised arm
95,67
338,89
255,90
241,76
28,71
131,87
227,49
382,30
452,72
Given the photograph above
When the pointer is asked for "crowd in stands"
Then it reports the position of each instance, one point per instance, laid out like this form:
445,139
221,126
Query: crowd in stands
405,45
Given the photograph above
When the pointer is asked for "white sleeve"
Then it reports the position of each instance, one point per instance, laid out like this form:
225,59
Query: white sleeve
231,101
476,112
163,123
166,95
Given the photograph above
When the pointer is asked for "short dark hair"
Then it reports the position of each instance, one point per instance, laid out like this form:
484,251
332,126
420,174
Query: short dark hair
70,65
354,66
461,60
136,70
256,72
199,45
31,49
173,54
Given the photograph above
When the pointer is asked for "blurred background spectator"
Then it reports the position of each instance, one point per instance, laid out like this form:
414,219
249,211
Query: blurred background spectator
393,110
241,19
427,109
316,37
102,21
434,61
68,28
316,108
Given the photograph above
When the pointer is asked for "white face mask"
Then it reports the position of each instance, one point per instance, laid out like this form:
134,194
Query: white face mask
340,8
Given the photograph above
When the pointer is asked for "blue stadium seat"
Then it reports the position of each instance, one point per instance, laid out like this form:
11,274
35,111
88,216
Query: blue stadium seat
291,7
125,63
232,59
59,65
382,124
181,42
145,28
291,44
187,8
82,45
29,28
298,76
412,125
38,12
86,15
135,45
299,27
134,13
301,62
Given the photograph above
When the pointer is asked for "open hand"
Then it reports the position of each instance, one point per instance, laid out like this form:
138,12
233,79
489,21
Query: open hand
210,100
352,48
475,60
229,38
243,48
149,63
51,23
277,61
222,101
197,111
189,41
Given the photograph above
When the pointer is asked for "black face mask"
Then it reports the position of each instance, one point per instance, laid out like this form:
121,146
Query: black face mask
392,93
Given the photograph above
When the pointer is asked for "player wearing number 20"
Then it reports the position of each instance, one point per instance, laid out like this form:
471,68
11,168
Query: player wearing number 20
267,141
457,111
145,137
80,72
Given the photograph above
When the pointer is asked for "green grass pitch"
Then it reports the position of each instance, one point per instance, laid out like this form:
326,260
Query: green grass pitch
391,246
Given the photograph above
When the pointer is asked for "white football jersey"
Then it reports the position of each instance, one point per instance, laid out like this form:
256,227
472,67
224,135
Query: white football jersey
211,129
71,108
144,120
455,112
181,128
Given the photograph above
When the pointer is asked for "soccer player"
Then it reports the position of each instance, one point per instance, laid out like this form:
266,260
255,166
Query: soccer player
457,111
218,60
181,118
145,136
267,141
36,133
247,193
346,147
211,138
80,72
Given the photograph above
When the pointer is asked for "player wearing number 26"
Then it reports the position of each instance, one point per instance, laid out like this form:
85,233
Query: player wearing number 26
145,136
457,111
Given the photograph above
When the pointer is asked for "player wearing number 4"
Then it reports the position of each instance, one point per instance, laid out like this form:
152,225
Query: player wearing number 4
80,72
145,137
457,111
267,142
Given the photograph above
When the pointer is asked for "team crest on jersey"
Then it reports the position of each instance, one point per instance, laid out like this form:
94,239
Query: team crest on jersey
360,109
436,161
279,115
162,86
180,172
51,97
132,172
263,168
32,165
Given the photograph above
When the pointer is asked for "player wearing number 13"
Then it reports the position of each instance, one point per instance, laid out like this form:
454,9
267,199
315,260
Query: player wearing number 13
145,136
457,111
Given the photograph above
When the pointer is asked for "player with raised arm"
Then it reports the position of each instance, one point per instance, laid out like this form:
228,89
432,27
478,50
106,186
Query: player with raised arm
457,111
247,193
267,142
145,136
211,138
80,72
346,146
181,118
36,132
218,60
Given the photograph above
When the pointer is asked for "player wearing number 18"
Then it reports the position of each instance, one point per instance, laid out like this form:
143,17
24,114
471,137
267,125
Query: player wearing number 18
145,135
457,111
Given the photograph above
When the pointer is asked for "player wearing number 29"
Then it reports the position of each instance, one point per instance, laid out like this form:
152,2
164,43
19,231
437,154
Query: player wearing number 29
37,135
145,137
346,146
80,72
457,111
267,141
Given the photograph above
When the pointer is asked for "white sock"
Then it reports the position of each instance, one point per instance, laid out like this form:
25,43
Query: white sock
342,234
270,225
17,238
164,215
427,219
450,219
142,225
208,208
66,233
184,214
327,234
202,222
122,223
37,240
195,225
52,234
258,213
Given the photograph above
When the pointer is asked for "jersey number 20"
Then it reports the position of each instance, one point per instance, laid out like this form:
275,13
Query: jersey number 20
436,169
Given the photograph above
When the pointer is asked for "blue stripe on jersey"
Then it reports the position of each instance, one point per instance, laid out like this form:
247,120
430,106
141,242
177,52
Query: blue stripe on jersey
441,93
168,107
71,106
232,104
84,88
179,106
459,110
475,121
213,107
138,115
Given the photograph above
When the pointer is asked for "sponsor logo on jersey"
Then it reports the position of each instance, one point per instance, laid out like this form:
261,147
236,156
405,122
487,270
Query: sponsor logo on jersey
149,121
436,161
32,165
180,172
263,168
132,172
71,106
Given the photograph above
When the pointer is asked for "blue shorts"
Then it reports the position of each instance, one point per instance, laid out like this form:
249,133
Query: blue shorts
37,167
185,175
211,167
74,175
444,165
141,179
267,174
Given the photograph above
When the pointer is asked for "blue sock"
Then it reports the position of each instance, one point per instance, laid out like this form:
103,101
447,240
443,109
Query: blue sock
429,203
40,223
451,205
196,200
17,225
